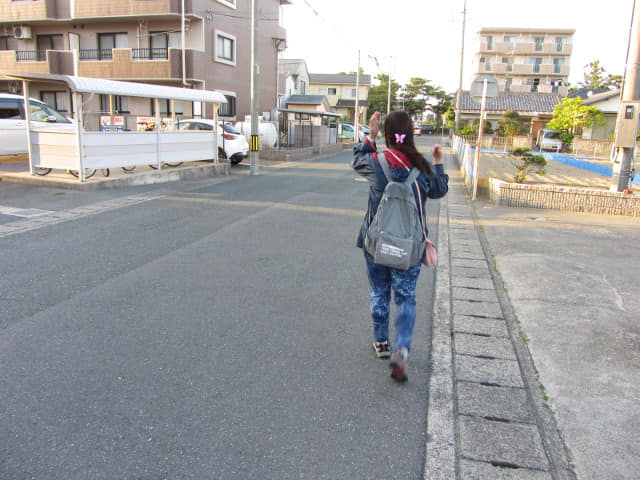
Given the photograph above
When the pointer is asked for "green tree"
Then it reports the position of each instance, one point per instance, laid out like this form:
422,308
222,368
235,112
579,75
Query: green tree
473,128
595,76
415,93
442,104
378,94
450,117
510,125
572,115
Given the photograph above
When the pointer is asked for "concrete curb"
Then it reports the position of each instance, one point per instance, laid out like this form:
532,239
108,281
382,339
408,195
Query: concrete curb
487,417
121,180
440,461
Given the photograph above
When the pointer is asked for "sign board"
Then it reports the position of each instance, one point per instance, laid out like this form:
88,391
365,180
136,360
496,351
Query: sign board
146,124
105,123
118,123
478,84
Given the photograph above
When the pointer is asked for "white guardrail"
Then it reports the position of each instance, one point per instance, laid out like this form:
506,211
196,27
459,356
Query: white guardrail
464,154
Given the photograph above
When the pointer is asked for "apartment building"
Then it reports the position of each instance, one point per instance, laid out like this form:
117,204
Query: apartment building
341,91
201,44
526,60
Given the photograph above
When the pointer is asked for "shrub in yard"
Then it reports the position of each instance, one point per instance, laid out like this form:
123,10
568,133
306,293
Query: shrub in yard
528,164
518,152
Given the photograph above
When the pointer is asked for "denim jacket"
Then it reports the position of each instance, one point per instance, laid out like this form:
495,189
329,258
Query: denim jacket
365,163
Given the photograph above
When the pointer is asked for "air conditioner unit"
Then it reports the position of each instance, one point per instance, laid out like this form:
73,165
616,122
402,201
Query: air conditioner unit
22,32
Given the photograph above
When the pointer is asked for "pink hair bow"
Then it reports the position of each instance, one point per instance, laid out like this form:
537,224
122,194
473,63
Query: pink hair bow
400,137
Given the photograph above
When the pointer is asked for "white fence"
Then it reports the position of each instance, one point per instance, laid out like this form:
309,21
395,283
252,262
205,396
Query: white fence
464,156
61,150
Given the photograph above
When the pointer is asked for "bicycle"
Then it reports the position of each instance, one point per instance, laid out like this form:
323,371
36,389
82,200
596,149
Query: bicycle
88,172
167,164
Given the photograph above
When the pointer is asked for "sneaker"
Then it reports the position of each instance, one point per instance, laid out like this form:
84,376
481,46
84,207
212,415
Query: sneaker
399,363
382,349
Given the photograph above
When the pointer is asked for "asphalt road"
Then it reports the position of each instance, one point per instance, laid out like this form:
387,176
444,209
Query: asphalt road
218,329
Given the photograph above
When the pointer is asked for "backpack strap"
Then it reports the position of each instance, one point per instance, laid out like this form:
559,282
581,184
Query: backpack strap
413,175
382,160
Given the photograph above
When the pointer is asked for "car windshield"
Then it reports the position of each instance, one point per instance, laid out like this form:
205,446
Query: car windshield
230,129
552,134
41,112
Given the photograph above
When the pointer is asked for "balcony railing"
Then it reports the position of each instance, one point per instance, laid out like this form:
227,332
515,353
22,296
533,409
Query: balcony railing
31,55
96,54
136,54
149,53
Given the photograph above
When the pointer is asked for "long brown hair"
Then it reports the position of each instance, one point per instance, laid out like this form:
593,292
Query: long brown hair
399,122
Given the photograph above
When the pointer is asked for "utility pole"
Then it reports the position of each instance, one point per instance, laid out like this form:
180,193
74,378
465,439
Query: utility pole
628,114
459,95
389,91
356,123
254,144
476,162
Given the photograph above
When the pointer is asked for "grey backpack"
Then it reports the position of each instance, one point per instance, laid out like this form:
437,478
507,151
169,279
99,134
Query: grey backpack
395,238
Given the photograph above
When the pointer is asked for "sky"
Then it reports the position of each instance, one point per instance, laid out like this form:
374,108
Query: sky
423,38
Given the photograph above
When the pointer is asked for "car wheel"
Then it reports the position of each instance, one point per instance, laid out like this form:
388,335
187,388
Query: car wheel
236,159
221,154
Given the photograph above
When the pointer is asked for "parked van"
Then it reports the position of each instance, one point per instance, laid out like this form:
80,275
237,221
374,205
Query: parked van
549,140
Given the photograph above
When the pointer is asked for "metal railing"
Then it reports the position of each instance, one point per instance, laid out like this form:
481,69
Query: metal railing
31,55
96,54
149,53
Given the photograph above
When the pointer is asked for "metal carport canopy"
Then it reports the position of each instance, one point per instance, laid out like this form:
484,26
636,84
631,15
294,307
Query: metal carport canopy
131,89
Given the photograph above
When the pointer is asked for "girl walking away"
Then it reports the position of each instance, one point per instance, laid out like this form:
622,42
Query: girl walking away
402,158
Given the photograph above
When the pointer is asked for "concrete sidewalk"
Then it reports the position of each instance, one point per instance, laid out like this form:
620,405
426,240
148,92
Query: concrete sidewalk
535,344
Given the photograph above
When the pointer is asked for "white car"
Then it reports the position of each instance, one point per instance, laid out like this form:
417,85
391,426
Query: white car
549,140
232,144
13,125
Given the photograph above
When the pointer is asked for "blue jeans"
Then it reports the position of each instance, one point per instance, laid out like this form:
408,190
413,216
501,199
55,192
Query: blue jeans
403,282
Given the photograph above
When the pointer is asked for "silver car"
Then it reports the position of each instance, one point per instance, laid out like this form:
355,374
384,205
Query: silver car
13,124
549,140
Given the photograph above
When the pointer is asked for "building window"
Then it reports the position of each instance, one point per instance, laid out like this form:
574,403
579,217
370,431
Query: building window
533,83
120,104
165,107
508,63
302,116
159,45
535,63
538,41
487,64
351,92
488,39
332,91
4,43
511,43
228,3
560,43
225,50
108,41
555,86
57,100
558,63
228,109
507,84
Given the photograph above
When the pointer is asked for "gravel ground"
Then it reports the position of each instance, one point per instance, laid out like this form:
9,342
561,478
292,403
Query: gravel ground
502,166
